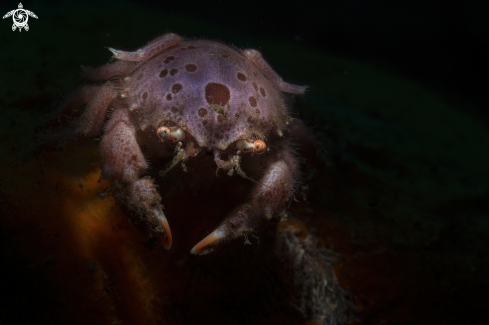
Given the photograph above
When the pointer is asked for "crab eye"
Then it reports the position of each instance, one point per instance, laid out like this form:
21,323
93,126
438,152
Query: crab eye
173,133
163,132
259,146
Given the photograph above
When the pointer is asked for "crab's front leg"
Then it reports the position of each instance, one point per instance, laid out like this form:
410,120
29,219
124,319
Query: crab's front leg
123,160
256,57
154,47
268,198
97,100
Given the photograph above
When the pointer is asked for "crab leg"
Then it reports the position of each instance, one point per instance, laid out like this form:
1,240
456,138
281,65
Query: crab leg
71,106
269,197
92,119
122,159
242,221
255,57
154,47
107,71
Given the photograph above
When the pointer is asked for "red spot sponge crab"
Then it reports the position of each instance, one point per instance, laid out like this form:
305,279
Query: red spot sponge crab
190,100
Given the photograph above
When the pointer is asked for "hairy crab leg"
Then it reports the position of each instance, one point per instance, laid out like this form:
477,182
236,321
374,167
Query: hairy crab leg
145,200
154,47
108,71
243,220
269,196
92,119
256,57
122,159
70,107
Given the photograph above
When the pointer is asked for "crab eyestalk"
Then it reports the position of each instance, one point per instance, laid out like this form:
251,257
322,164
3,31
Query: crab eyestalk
258,146
173,133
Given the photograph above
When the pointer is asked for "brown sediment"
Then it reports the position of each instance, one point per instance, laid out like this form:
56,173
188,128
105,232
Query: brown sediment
114,272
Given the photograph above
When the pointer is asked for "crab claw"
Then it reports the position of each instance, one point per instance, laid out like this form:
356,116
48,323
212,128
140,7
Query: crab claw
206,245
243,220
163,231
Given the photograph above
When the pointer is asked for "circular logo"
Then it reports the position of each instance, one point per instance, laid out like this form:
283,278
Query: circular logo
20,17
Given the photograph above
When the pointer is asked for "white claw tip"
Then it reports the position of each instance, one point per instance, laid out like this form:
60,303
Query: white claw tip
205,252
207,245
114,52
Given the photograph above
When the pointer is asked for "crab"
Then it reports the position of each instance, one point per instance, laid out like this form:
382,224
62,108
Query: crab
191,100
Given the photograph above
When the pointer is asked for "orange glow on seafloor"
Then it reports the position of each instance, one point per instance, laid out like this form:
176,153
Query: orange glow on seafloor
99,268
59,218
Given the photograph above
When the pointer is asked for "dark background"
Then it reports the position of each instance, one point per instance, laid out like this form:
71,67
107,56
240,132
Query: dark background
441,45
437,45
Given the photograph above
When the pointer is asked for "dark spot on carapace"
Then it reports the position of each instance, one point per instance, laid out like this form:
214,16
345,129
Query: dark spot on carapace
202,112
257,111
262,91
241,76
252,101
163,73
140,77
190,67
176,88
173,72
217,94
220,118
205,122
224,55
255,86
169,59
236,116
174,109
168,97
250,119
145,95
